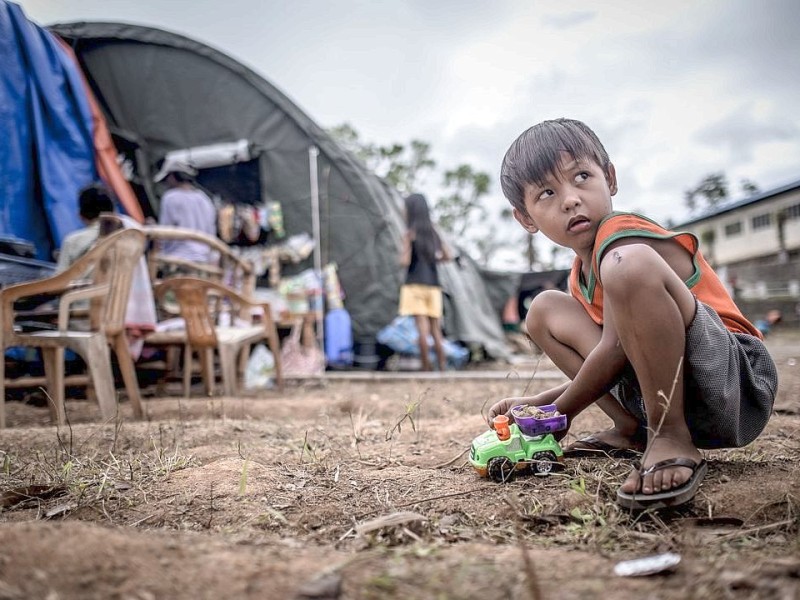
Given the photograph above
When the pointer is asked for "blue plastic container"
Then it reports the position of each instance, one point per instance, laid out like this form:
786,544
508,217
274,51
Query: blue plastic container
338,338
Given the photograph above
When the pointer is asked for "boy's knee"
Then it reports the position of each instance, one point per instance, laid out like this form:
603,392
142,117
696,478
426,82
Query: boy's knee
544,307
629,268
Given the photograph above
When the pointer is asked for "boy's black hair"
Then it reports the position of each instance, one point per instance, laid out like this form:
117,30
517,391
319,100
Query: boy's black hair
535,154
93,200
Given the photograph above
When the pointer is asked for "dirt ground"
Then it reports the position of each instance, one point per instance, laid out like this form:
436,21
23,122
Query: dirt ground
360,489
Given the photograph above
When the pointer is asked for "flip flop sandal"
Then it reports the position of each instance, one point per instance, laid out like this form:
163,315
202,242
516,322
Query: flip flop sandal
596,448
669,498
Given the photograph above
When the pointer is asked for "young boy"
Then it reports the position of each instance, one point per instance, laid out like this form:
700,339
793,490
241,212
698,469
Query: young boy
647,320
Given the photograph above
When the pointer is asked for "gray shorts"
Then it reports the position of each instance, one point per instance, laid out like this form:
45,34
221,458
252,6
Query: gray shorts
730,384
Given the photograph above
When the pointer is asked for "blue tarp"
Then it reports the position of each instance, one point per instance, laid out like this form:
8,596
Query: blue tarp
402,336
47,150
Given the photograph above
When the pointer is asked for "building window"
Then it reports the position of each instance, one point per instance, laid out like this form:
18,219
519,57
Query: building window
733,229
793,211
762,221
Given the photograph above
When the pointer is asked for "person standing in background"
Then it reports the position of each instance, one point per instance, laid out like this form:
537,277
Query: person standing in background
421,294
185,205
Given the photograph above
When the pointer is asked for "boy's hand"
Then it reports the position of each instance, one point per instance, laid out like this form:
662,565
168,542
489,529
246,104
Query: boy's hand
504,406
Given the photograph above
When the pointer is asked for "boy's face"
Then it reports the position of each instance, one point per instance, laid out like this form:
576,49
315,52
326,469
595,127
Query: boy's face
568,208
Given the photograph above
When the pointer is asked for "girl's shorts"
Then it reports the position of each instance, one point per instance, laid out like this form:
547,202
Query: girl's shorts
730,384
420,300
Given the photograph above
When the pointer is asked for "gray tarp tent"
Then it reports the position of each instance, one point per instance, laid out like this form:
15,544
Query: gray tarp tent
163,92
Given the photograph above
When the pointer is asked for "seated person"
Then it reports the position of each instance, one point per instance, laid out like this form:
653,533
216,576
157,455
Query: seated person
93,200
185,205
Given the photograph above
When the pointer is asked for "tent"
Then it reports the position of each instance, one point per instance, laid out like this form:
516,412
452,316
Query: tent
47,154
55,137
162,93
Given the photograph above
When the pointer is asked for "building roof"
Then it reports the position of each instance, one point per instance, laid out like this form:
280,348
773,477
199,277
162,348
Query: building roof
731,206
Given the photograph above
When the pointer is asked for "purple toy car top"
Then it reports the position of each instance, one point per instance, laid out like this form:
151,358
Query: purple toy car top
532,426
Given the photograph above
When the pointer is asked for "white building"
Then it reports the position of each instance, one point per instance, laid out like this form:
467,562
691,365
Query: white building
754,244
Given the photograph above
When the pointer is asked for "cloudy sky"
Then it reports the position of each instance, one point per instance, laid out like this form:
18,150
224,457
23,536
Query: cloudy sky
675,90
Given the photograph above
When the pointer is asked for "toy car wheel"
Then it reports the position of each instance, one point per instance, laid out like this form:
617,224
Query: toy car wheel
543,462
500,469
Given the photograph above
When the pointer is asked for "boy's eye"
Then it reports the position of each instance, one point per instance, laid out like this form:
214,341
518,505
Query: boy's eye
582,176
545,194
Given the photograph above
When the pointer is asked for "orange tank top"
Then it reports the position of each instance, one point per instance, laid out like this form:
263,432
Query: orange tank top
704,282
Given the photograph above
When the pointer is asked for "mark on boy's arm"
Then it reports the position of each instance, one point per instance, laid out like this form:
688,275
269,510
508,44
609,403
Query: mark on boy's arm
617,256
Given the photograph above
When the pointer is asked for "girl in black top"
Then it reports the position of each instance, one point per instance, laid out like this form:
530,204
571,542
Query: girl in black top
421,295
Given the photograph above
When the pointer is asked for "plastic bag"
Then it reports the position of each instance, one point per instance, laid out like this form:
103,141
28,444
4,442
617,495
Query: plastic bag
301,358
401,336
260,369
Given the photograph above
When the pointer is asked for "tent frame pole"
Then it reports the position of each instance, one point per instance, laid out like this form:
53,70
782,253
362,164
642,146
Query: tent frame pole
313,153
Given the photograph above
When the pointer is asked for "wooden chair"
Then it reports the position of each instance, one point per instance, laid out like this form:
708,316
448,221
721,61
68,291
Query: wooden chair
106,271
201,303
226,267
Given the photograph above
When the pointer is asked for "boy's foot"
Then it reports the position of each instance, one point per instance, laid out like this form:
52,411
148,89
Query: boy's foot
609,443
668,476
671,498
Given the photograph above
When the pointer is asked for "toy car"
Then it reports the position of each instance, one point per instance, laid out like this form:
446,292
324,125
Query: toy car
500,452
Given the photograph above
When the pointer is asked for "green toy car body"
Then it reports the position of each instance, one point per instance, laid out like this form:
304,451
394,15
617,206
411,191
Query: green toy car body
500,459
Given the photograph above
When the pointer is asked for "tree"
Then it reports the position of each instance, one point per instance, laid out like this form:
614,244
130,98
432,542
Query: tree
399,165
712,189
456,210
459,212
461,209
748,187
531,255
556,253
347,137
487,245
404,165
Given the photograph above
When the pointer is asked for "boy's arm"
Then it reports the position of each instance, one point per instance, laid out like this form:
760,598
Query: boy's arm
598,373
504,406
